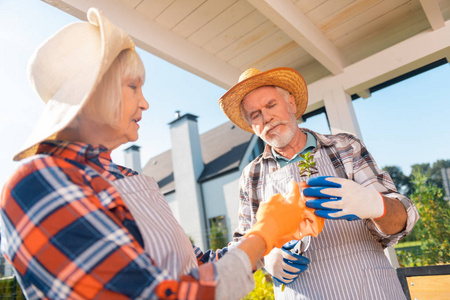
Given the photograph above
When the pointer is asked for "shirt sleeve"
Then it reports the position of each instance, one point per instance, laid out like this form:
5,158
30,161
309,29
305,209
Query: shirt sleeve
210,255
366,172
245,210
65,244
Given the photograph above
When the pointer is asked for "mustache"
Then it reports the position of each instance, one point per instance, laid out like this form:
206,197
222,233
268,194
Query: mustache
271,125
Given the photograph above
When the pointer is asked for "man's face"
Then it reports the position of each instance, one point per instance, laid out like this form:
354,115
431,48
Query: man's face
272,117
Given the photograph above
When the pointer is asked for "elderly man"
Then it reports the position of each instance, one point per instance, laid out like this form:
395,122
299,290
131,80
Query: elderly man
364,212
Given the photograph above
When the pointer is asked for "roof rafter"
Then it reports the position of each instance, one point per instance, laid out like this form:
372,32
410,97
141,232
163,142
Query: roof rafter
288,17
433,13
158,40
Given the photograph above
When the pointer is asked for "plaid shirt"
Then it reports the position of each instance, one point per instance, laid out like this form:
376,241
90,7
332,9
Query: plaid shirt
350,159
69,235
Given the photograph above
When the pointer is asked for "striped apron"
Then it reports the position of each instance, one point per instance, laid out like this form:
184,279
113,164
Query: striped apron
164,239
346,261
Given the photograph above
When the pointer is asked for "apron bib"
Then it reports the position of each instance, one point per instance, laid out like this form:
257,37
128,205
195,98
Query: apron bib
164,239
346,262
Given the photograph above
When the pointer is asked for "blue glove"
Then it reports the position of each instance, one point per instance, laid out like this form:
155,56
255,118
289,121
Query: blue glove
283,265
340,198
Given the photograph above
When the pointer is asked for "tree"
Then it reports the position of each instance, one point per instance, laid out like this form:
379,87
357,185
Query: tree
433,172
401,181
433,227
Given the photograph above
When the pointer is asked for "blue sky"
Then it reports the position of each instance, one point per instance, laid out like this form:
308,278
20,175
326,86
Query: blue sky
401,125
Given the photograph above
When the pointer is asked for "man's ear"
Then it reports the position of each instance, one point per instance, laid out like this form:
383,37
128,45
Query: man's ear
292,104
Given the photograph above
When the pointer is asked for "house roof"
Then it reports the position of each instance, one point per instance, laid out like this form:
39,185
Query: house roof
223,149
353,44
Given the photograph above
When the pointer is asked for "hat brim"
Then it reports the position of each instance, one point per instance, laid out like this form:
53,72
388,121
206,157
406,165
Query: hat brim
286,78
76,57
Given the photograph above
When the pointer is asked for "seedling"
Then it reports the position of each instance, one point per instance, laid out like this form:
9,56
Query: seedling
307,166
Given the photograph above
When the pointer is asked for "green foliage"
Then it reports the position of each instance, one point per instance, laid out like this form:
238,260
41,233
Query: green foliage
433,172
307,166
263,287
433,227
218,236
402,182
10,289
409,253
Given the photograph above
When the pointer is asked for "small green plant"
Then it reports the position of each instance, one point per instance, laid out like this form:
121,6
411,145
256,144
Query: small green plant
218,236
263,287
307,166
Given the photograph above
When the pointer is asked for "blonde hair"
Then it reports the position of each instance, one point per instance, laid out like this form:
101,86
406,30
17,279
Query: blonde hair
105,104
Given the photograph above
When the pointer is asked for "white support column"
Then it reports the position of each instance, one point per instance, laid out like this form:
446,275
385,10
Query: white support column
340,112
392,256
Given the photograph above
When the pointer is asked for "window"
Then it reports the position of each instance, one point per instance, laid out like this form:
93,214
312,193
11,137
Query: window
218,232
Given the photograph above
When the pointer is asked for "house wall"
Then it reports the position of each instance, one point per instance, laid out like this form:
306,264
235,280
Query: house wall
187,167
171,200
221,198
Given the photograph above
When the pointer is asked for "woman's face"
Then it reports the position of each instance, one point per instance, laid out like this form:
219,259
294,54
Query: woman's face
133,105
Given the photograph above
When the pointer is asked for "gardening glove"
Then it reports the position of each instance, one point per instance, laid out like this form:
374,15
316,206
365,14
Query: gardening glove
279,218
340,198
283,265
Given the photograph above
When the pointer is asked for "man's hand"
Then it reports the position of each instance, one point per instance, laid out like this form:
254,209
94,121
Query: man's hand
340,198
283,265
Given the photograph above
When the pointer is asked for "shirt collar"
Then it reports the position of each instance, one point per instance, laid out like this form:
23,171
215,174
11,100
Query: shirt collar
73,150
322,141
83,153
311,143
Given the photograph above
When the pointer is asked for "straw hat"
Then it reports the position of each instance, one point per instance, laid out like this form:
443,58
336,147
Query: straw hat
286,78
65,70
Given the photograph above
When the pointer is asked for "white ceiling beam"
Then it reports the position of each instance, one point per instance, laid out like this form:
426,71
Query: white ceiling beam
157,40
289,18
411,54
364,94
433,13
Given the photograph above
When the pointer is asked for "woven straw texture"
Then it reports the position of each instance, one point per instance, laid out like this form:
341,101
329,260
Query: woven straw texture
286,78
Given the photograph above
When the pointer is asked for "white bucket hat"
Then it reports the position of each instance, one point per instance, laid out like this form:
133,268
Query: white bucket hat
66,69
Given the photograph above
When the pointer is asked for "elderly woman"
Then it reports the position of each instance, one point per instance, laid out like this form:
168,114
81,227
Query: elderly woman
77,226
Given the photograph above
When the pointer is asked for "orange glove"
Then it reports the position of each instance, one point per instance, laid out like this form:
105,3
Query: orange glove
311,224
278,219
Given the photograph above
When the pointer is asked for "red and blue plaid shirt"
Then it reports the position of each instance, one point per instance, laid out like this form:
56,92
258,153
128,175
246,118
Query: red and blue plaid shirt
69,235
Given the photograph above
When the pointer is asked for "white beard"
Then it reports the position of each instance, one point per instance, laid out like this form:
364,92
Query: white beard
281,140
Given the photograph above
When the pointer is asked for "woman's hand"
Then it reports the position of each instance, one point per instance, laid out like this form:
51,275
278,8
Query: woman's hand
279,218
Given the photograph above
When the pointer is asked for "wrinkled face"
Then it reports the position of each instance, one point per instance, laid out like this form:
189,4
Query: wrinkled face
133,105
271,117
